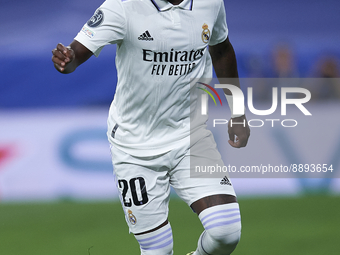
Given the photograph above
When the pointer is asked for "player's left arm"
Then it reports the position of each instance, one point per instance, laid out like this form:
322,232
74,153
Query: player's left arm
225,65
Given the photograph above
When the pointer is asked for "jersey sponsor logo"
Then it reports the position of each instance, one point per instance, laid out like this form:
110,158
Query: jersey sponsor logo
205,33
173,55
184,59
96,19
145,36
225,181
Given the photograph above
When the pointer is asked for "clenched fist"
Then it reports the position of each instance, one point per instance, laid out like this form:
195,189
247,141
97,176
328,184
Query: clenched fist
62,57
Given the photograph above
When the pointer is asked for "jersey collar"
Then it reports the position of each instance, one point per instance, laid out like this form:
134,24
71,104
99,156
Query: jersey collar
163,5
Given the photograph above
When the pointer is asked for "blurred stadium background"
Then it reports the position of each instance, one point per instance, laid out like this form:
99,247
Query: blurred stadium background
57,194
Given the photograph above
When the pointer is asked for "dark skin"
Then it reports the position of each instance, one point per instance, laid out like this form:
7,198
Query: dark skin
67,59
225,65
175,2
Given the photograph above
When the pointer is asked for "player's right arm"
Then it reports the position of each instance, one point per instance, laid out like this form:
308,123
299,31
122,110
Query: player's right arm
67,59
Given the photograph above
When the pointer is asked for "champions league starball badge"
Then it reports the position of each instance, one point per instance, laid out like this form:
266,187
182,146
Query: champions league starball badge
96,19
205,33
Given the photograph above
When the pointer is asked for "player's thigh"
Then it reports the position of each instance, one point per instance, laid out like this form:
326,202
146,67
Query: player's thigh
144,190
192,187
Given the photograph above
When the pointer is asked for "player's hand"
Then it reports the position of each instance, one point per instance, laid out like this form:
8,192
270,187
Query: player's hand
238,133
62,56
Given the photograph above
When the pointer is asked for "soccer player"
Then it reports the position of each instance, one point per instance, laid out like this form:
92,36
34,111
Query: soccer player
161,46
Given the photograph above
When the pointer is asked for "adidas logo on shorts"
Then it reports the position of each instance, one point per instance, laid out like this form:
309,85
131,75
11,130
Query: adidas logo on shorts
145,36
225,181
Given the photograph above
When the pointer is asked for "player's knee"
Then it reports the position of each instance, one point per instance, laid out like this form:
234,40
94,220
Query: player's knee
226,238
156,242
222,225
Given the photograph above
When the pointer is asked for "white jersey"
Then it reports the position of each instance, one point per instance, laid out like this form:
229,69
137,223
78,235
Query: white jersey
160,48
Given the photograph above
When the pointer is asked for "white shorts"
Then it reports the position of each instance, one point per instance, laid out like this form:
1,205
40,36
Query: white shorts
144,182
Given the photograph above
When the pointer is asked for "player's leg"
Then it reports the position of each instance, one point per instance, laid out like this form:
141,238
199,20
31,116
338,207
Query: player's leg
144,191
156,241
220,217
213,200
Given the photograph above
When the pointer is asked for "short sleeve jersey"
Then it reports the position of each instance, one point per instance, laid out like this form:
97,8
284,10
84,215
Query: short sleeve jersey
160,48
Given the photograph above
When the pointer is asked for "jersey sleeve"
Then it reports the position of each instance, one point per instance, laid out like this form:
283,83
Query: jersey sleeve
220,30
106,26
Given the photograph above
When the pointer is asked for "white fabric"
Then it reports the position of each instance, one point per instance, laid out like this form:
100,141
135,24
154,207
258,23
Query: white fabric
158,53
158,173
156,242
222,224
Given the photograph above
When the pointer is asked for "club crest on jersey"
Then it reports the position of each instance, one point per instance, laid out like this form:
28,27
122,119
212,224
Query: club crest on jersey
205,33
132,218
96,19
